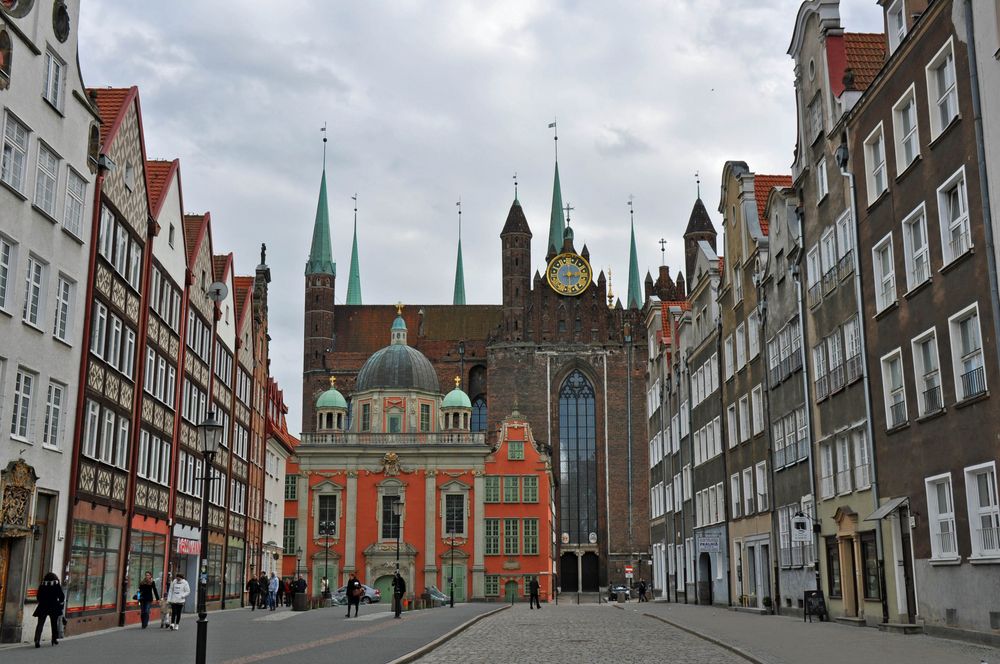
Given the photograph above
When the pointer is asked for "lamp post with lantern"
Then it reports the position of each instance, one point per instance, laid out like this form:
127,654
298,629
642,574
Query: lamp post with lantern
397,512
209,437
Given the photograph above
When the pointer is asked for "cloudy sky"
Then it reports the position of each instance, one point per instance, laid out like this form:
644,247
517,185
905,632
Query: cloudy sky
429,101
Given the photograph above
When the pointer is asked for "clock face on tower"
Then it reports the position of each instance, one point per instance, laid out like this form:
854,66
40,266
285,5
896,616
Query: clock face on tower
568,274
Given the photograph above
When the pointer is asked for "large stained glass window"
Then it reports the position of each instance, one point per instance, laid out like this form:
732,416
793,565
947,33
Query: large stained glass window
479,414
577,459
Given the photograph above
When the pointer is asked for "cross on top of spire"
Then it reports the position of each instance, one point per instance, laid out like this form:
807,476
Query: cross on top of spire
569,208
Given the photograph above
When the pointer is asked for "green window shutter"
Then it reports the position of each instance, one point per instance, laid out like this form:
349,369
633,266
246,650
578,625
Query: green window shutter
531,537
530,489
492,489
492,536
511,537
511,489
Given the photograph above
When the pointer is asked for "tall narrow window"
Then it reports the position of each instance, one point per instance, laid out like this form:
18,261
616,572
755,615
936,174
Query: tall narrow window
15,153
24,386
491,532
577,459
941,89
915,248
33,291
896,19
454,514
967,353
76,193
926,373
52,429
54,75
479,414
904,121
390,522
885,273
941,515
6,269
984,511
953,209
64,307
895,392
875,164
46,177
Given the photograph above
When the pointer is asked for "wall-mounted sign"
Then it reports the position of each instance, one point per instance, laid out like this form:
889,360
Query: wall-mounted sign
708,543
800,529
188,547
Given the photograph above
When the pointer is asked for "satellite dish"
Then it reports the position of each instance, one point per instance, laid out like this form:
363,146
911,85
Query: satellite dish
218,291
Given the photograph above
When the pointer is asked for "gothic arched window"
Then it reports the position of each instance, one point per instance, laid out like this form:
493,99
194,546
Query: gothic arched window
479,414
577,459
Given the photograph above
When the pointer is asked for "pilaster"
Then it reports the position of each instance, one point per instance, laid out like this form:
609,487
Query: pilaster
351,526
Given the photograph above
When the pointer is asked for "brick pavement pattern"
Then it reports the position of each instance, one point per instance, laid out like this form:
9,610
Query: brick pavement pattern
575,633
787,640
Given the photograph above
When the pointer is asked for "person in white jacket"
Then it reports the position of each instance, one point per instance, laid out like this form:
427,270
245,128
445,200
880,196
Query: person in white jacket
176,594
272,591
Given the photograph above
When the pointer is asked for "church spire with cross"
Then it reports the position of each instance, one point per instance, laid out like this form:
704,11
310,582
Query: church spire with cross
321,250
634,296
459,297
557,222
354,279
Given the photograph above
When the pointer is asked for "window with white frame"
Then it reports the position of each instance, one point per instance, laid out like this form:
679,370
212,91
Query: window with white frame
73,210
862,460
753,334
967,353
821,381
822,185
24,389
826,471
728,351
61,326
904,126
984,512
835,350
875,171
845,235
942,92
7,269
34,304
885,273
757,399
686,480
731,425
15,153
896,19
828,252
741,346
815,116
941,517
46,179
52,424
55,74
852,349
748,495
744,406
738,277
762,497
844,469
813,270
927,372
953,212
893,389
734,493
915,248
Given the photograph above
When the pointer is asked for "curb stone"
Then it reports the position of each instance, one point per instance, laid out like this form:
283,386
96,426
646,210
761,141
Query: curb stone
444,638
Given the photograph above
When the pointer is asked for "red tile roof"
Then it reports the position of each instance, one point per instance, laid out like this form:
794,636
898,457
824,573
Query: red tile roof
110,105
220,266
242,286
193,224
865,52
762,186
665,313
159,172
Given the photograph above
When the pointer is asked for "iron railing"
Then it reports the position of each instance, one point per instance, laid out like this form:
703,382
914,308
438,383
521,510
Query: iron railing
815,294
932,400
989,539
822,388
836,377
973,383
897,414
846,264
395,439
960,244
853,368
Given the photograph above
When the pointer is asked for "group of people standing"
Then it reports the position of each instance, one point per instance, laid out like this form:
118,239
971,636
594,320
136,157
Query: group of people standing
270,592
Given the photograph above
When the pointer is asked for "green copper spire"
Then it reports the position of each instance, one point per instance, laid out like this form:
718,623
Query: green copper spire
634,295
459,268
321,253
557,222
354,279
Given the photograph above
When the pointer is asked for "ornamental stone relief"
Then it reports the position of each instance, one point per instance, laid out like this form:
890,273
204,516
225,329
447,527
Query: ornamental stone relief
18,482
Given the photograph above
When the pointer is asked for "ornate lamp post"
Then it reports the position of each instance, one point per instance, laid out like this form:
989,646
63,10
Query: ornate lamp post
451,575
397,512
326,532
298,562
209,436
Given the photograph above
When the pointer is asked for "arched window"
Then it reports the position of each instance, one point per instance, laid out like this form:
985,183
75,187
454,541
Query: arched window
577,459
479,414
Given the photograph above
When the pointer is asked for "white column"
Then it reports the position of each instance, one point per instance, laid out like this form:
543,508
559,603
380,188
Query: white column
430,537
479,532
351,526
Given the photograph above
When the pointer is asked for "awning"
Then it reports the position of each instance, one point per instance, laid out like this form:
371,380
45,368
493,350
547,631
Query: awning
886,509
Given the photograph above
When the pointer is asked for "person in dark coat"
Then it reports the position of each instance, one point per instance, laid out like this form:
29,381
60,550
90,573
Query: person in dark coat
398,590
279,594
146,594
50,605
300,585
262,585
354,592
253,589
533,594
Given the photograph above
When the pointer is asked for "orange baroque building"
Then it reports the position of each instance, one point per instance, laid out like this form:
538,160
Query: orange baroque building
476,508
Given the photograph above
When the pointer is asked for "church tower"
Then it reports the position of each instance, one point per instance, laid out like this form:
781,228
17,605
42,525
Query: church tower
321,273
699,228
515,242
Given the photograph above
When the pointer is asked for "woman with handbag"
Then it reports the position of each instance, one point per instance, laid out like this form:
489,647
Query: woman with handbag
146,594
50,605
354,593
178,592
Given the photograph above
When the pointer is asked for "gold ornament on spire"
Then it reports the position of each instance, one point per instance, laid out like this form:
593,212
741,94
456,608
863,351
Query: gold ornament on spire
333,382
458,381
611,293
399,308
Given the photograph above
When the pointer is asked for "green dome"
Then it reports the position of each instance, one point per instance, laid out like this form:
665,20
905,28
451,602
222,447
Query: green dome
456,399
332,398
399,323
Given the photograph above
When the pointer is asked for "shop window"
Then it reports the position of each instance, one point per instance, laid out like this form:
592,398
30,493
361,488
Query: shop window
833,567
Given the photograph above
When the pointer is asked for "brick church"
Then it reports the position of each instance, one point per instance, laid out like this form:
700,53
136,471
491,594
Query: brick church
558,351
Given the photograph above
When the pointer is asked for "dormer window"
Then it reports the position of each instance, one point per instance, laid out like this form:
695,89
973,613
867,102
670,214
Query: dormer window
896,21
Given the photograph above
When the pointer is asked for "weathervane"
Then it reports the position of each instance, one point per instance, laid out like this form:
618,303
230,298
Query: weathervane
697,181
555,136
459,204
515,185
611,293
569,208
631,210
663,251
323,129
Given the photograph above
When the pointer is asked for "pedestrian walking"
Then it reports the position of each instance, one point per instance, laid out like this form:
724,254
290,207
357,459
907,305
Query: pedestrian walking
262,583
50,605
354,592
279,592
253,589
176,595
642,590
398,590
146,594
533,594
272,591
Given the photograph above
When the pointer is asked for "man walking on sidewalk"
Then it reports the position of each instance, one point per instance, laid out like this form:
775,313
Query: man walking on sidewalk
253,588
398,589
533,594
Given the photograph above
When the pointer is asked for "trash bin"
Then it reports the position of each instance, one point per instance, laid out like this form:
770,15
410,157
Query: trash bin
300,602
621,597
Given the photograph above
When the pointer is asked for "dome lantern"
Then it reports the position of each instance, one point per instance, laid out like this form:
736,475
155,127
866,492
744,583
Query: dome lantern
331,409
457,409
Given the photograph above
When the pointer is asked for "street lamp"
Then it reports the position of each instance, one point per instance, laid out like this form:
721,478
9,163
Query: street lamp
397,512
326,531
298,561
209,437
451,576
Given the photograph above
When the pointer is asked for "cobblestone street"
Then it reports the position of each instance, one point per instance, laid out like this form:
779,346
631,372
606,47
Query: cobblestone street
575,633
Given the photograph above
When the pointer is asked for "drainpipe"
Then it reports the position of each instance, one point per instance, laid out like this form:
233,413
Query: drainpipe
807,400
725,467
684,372
766,395
984,187
663,484
870,443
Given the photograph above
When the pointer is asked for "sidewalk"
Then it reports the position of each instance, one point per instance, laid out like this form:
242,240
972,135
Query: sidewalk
786,640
